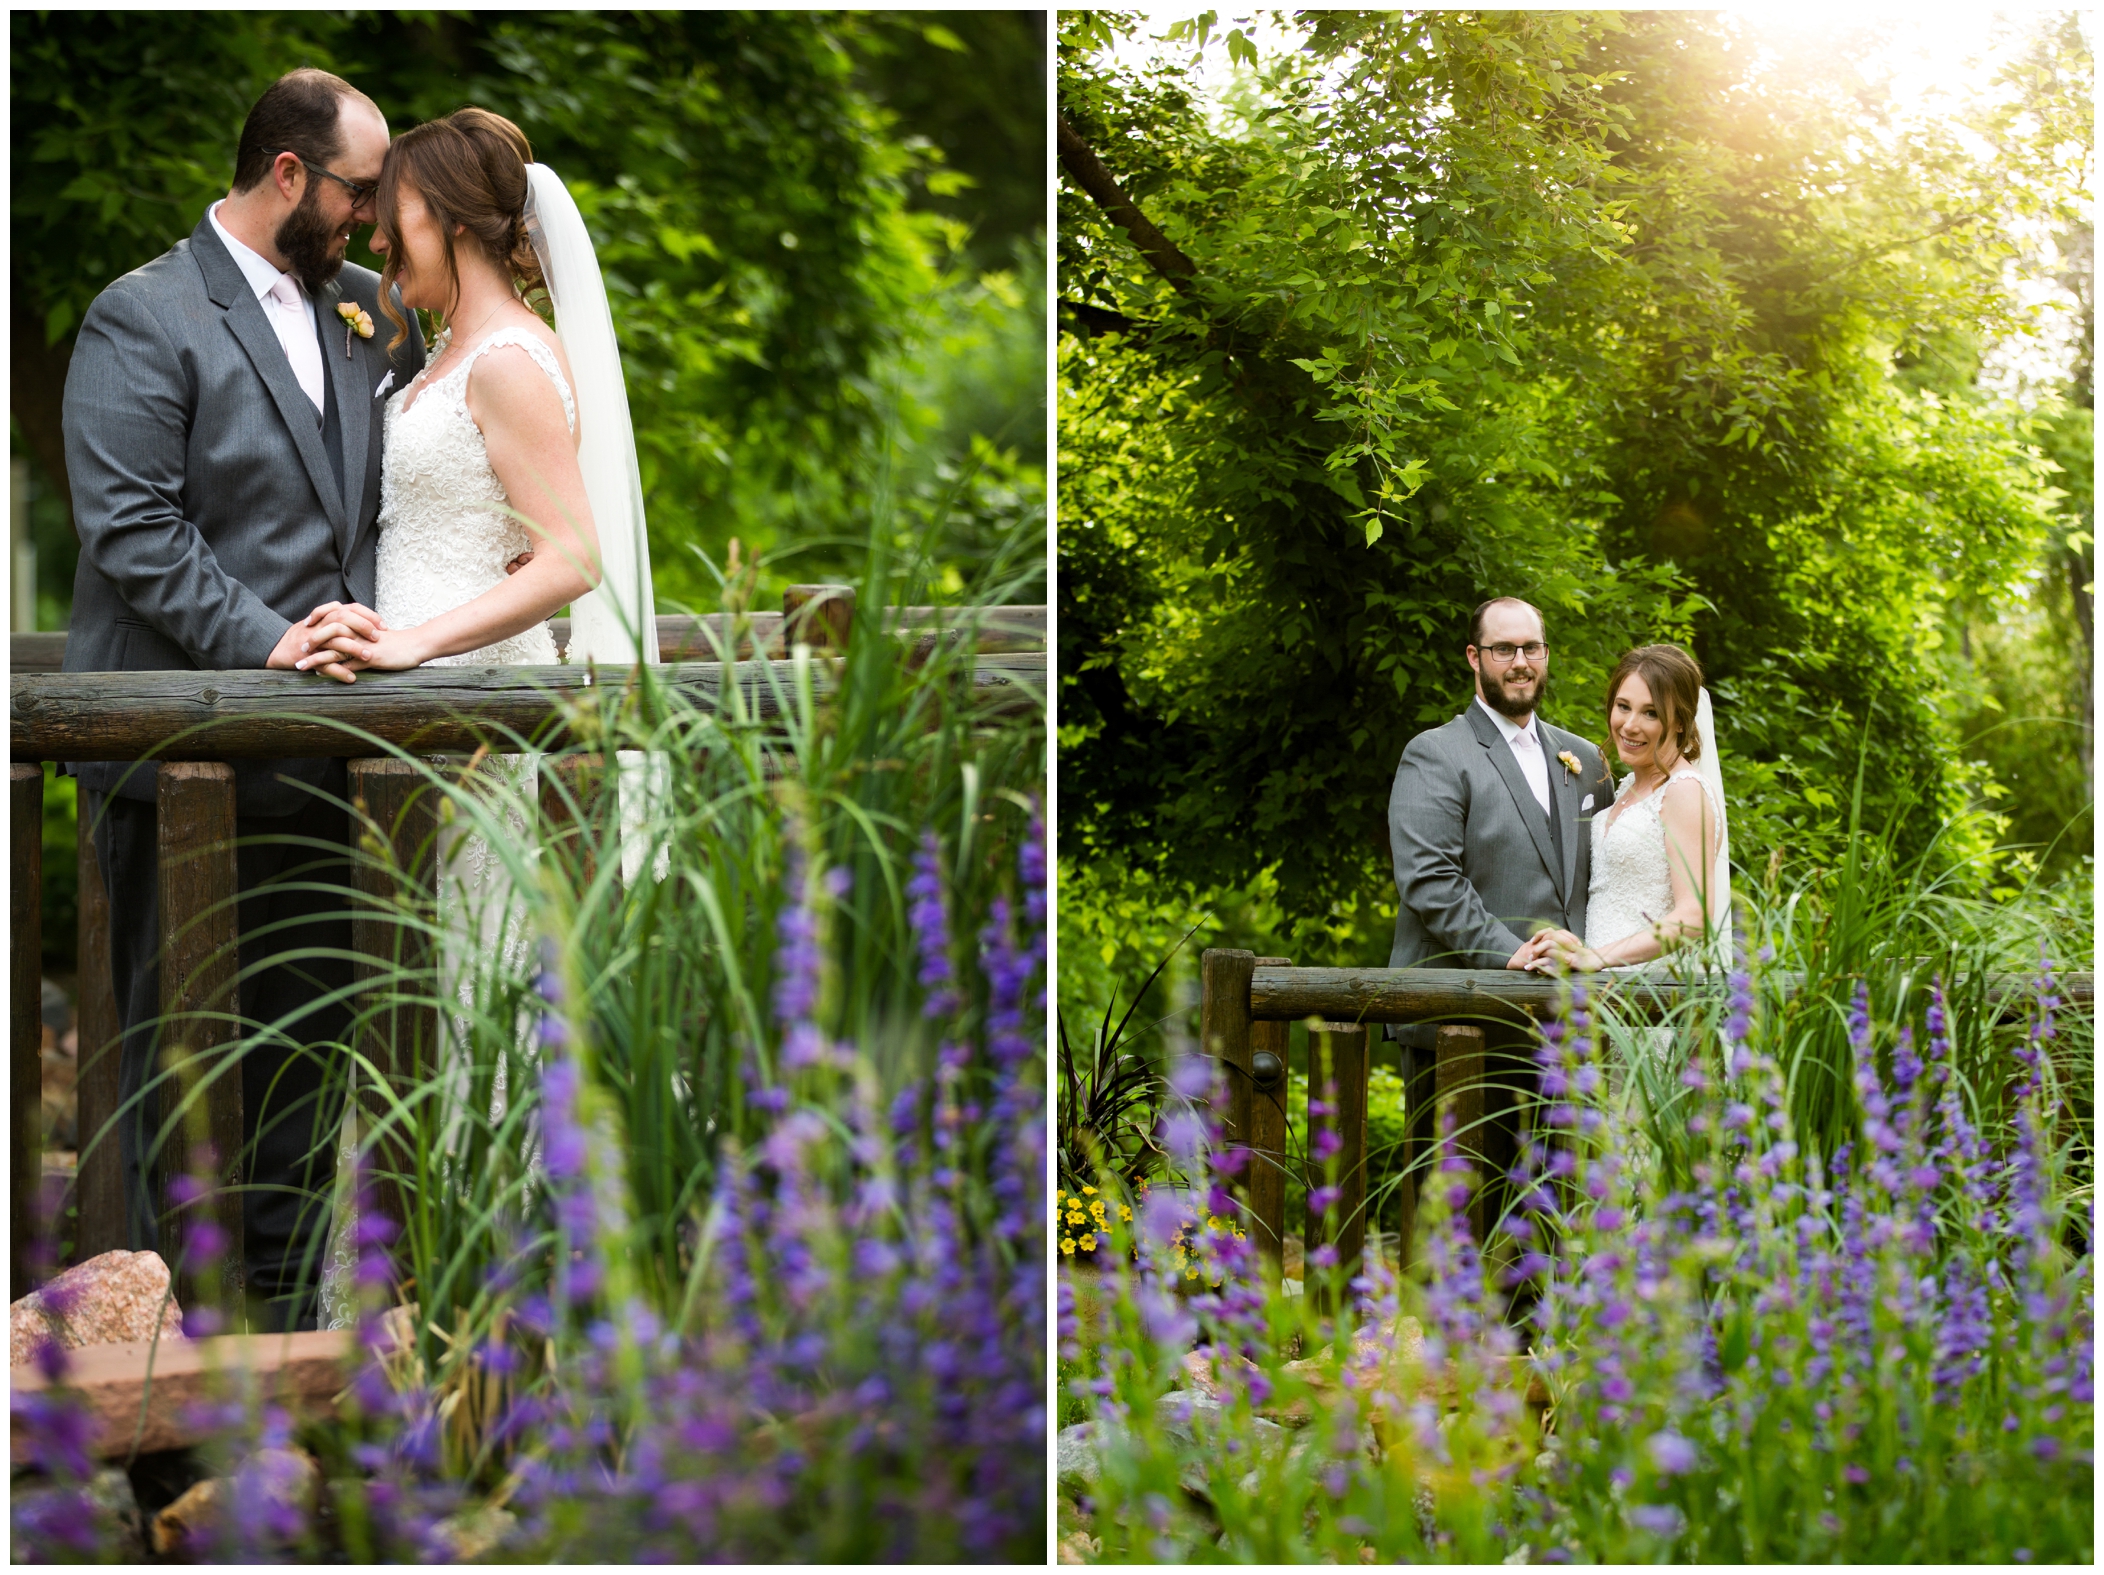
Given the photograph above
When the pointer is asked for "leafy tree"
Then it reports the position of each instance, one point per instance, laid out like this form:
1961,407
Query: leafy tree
1571,306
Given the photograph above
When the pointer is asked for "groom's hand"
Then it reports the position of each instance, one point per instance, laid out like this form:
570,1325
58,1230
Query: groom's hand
296,645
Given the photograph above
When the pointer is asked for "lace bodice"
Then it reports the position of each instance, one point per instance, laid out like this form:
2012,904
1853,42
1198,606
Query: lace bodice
444,539
1631,886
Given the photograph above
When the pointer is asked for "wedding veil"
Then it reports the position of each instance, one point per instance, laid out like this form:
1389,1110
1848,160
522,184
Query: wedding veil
615,625
1712,774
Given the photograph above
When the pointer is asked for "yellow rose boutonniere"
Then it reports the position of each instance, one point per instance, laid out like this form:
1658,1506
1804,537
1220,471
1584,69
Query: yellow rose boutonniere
1570,761
356,320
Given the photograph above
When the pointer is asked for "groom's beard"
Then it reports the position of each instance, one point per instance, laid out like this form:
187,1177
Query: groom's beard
1517,702
307,242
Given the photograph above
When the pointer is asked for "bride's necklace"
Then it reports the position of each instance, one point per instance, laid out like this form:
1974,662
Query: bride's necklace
444,340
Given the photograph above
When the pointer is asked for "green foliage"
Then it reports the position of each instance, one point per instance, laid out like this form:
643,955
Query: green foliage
1740,1366
1580,307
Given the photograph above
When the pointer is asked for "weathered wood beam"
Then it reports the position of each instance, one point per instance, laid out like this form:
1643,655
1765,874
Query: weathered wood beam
174,1381
1223,1031
1424,995
706,637
1265,1183
99,1191
200,965
394,965
1337,1075
26,1042
251,715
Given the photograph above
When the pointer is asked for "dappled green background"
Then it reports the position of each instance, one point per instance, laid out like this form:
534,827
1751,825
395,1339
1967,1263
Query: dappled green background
1605,311
822,233
819,229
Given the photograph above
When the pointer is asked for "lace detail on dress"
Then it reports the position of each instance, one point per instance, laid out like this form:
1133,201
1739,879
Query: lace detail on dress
444,533
1631,887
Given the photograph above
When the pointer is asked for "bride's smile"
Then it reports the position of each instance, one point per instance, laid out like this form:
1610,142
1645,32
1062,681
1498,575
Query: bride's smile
1640,732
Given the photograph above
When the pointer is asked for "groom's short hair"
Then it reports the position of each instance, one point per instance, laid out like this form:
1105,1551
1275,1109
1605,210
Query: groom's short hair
1475,619
298,113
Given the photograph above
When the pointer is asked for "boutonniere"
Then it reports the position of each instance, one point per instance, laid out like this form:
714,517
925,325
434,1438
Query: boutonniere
1570,761
356,320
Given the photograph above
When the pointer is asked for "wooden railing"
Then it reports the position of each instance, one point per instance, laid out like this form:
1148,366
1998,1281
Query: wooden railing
196,723
1248,1005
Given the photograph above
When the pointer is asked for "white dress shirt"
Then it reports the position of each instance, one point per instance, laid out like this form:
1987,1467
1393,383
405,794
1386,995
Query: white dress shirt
294,324
1527,749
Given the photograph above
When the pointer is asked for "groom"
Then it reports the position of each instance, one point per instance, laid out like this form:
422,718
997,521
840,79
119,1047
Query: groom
223,429
1489,822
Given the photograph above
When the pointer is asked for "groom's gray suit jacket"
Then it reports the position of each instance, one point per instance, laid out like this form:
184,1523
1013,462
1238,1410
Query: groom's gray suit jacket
1479,867
214,507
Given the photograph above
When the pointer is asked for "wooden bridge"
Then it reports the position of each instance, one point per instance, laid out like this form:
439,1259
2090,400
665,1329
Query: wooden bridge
196,723
1247,1007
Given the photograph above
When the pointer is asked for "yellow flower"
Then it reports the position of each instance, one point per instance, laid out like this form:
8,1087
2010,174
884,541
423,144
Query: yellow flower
1088,1243
1090,1191
1059,1194
357,317
1191,1273
1124,1213
1066,1245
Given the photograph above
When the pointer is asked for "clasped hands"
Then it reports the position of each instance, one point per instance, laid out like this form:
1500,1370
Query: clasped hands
1556,951
342,639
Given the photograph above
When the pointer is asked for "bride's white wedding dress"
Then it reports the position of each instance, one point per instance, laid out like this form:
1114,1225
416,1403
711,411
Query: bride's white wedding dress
1632,886
446,533
1632,882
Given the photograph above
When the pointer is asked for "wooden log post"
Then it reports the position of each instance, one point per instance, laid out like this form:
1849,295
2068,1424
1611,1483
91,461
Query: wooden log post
1270,1046
1420,1129
26,937
820,616
1460,1069
1223,1033
100,1189
200,963
1337,1076
575,795
395,964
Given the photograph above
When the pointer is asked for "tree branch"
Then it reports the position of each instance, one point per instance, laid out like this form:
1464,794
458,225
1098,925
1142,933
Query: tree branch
1087,172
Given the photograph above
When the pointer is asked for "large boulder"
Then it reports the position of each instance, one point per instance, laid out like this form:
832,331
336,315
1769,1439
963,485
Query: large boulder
118,1296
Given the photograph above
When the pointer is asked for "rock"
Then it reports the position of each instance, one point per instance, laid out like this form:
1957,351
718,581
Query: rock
473,1533
110,1491
1079,1454
1079,1547
113,1298
289,1476
186,1525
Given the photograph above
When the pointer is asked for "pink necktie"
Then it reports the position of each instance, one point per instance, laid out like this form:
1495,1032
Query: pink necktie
296,334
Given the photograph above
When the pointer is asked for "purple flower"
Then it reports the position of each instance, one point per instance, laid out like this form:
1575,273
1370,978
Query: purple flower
1672,1454
1661,1520
929,916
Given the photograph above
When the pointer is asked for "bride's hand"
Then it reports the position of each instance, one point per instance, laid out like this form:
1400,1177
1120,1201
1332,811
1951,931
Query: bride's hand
355,616
389,651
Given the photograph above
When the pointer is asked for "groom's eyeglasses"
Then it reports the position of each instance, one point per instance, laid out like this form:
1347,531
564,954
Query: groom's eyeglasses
1533,650
361,191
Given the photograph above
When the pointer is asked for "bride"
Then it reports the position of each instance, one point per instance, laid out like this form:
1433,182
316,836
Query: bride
1661,878
509,484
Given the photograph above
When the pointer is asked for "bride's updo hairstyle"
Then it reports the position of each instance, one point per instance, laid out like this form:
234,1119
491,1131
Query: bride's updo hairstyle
470,169
1675,681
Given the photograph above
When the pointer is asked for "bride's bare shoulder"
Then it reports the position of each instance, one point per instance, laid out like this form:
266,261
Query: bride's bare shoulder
508,375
